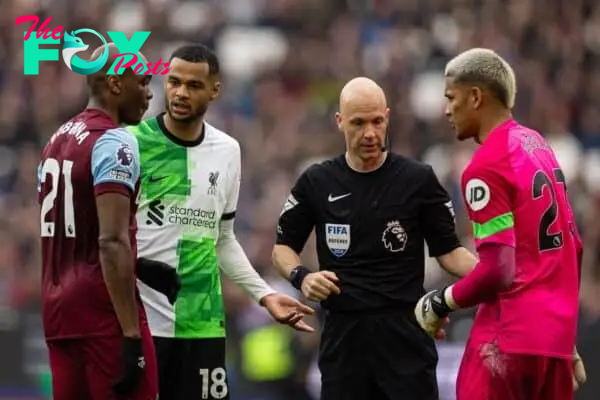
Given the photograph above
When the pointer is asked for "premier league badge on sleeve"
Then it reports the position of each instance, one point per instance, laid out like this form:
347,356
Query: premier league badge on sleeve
124,155
337,237
122,171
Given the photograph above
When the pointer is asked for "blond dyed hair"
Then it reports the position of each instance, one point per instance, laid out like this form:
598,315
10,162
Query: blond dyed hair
485,67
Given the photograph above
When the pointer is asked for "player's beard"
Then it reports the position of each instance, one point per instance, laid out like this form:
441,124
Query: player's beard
194,116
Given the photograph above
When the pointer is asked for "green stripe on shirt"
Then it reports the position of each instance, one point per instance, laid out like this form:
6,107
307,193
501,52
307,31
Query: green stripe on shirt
493,226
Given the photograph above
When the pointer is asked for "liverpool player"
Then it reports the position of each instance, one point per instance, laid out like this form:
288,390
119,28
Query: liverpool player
95,327
526,283
195,231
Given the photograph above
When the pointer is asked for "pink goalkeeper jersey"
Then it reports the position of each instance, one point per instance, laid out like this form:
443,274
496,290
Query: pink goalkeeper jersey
515,194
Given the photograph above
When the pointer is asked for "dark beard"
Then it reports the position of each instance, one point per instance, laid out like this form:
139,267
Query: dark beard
192,118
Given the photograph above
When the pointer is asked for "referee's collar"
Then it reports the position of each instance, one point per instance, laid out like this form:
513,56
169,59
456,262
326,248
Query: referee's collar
383,162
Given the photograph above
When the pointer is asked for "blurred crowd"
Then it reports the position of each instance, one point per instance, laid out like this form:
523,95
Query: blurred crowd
284,62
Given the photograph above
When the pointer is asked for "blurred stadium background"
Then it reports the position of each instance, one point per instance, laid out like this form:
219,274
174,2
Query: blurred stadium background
284,62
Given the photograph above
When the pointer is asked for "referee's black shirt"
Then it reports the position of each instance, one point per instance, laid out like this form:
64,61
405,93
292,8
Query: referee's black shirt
370,228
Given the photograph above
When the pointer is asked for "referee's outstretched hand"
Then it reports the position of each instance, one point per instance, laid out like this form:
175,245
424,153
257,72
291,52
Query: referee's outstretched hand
317,286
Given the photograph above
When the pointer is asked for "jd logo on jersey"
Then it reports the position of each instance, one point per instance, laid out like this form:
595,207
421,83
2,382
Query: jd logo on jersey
477,193
337,237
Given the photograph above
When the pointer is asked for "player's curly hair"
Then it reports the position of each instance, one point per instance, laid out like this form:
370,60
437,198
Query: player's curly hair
198,53
486,68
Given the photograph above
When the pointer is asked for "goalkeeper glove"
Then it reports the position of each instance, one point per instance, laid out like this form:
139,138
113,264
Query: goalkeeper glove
579,375
432,311
159,276
133,367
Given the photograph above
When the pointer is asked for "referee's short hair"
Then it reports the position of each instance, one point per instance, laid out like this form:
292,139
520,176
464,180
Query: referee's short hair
485,67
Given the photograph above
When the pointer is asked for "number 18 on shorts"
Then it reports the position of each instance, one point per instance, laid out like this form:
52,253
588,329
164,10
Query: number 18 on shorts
214,383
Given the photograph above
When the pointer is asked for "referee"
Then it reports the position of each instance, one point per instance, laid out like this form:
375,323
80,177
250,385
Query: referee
372,211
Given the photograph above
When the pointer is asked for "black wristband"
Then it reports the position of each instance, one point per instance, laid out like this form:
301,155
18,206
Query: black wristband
297,276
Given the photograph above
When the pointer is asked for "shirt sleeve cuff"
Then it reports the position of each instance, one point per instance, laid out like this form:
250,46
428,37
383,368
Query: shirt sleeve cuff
112,187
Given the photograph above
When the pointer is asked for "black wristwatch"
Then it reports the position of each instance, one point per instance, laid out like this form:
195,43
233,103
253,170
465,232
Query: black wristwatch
297,276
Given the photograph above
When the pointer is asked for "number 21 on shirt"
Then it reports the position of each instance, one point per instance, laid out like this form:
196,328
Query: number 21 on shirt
53,170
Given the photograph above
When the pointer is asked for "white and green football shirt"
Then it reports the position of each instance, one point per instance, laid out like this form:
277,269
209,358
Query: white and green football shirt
185,191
